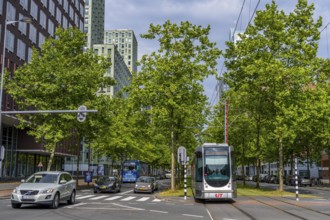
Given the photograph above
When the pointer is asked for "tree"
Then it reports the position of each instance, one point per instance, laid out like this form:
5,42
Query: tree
169,86
272,64
60,76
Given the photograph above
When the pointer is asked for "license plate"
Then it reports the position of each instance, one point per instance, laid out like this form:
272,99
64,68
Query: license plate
218,195
27,197
103,187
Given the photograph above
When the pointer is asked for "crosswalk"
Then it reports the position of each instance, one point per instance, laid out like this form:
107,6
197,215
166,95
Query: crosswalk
117,198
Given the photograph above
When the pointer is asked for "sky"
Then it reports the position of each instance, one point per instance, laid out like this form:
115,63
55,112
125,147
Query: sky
221,15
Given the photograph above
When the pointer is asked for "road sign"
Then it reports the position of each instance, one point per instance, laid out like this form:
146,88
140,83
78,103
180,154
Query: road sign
182,155
40,165
81,116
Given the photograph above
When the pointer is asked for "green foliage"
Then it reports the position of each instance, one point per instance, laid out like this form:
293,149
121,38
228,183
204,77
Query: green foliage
271,75
59,77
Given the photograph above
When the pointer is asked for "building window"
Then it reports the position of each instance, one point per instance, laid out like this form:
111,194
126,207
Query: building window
33,34
50,27
24,4
43,19
22,25
52,7
10,41
34,10
11,12
41,39
58,15
21,47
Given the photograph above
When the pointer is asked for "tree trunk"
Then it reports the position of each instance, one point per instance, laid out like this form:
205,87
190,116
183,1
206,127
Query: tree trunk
172,160
51,158
280,152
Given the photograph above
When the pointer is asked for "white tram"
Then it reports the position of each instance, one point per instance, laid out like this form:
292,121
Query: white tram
213,172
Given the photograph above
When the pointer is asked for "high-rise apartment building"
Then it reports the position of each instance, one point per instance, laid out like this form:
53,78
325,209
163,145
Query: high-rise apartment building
126,43
118,70
22,153
94,22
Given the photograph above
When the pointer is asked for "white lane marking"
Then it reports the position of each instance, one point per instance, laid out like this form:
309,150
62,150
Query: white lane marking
128,207
98,197
156,200
113,198
208,212
197,216
84,197
158,211
143,199
75,205
126,192
128,198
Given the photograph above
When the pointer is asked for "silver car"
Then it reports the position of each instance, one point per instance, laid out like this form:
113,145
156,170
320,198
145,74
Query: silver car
144,184
45,188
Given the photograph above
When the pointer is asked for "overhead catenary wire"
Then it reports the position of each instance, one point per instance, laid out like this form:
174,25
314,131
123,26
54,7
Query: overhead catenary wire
254,12
240,13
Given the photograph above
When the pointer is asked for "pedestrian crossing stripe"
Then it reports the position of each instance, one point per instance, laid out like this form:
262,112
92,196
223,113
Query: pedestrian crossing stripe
107,198
113,198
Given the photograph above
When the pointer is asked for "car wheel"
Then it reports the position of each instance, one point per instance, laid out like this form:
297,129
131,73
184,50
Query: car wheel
72,198
95,191
56,201
16,205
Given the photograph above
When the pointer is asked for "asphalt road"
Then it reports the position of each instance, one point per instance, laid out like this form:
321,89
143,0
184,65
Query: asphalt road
127,205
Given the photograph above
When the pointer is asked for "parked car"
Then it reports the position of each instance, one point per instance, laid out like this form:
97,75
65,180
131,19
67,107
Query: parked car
302,181
155,183
144,184
107,184
45,188
168,175
272,179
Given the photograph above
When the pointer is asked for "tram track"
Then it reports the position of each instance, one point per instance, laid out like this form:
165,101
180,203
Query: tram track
277,207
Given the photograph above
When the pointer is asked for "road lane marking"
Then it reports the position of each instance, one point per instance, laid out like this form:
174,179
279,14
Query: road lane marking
75,205
84,197
197,216
158,211
128,198
126,192
208,212
98,197
156,200
113,198
143,199
128,207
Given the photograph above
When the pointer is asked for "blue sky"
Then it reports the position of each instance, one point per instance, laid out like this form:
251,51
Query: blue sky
221,15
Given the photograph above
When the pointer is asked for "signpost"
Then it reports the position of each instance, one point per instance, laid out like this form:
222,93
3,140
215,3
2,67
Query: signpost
182,159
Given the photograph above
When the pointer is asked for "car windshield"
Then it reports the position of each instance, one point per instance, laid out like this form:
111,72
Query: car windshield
42,178
144,180
105,180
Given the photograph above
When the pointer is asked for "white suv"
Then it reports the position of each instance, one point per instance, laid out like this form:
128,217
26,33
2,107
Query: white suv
45,188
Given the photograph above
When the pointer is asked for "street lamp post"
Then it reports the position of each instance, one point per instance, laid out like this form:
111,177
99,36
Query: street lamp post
27,20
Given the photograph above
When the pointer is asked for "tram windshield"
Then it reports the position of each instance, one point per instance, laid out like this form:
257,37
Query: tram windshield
216,170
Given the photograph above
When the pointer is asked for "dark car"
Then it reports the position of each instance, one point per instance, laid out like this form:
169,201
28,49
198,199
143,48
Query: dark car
107,184
145,184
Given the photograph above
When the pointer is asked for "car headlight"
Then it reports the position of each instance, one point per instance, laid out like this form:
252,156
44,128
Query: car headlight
136,185
15,190
47,191
149,186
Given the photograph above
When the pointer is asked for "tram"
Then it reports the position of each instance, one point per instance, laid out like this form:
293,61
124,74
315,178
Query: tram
213,172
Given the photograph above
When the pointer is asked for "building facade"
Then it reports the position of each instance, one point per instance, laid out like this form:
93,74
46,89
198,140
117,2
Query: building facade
118,70
23,155
127,45
94,22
